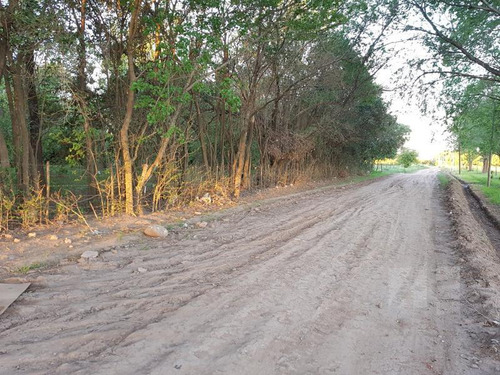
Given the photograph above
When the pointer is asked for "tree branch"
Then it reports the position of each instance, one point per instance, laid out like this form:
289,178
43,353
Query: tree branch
456,44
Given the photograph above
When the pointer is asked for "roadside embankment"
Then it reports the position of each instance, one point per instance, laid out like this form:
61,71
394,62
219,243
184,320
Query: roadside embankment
491,210
480,262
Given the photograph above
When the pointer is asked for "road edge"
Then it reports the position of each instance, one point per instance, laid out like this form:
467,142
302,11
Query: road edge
479,266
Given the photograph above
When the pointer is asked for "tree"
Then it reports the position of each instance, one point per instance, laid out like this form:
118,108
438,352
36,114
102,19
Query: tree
148,97
407,157
461,41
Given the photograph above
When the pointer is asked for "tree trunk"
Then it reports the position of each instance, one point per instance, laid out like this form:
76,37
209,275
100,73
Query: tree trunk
82,101
6,21
16,134
4,152
202,130
488,182
127,160
248,159
241,154
35,126
124,141
147,171
485,165
239,162
19,119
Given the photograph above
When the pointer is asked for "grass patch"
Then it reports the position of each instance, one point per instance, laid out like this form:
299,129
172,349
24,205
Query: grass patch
479,179
30,267
386,171
492,193
444,179
390,169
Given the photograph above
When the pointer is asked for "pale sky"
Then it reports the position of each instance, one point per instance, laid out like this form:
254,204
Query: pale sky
427,136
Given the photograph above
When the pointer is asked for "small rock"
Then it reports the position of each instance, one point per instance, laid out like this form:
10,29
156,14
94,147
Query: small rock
90,254
8,236
185,225
142,269
32,235
202,224
17,240
474,365
67,241
156,231
53,237
70,246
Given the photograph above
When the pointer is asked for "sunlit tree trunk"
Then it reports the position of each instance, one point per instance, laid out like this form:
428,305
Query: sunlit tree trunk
242,153
129,110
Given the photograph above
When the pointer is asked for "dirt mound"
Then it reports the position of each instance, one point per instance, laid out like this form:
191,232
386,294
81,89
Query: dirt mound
480,269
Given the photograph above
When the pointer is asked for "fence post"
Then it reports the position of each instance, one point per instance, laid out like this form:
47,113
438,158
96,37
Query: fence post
47,190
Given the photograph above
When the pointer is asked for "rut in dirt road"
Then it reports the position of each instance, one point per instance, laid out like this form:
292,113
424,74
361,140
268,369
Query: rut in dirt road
359,280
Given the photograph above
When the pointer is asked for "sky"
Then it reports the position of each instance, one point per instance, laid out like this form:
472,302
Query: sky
428,136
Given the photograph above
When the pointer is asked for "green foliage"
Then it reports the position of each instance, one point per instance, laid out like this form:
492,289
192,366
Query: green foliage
474,110
30,267
444,179
353,125
407,157
480,179
290,76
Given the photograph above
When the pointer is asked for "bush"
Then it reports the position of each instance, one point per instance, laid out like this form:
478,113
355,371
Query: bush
407,158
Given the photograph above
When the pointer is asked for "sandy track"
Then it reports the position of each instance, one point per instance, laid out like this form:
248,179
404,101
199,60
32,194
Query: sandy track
359,280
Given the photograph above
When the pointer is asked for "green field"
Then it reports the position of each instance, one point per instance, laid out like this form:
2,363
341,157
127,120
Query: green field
479,179
390,169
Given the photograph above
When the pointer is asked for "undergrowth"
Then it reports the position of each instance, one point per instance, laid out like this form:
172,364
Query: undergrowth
29,267
444,179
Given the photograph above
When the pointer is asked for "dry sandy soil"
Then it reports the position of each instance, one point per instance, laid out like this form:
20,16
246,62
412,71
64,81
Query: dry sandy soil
369,279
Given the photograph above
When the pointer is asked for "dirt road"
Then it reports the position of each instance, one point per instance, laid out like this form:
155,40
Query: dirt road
359,280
